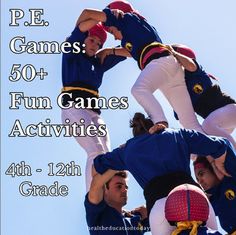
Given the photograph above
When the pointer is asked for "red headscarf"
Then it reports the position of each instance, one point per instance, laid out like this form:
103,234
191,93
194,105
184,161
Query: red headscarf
99,31
184,50
124,6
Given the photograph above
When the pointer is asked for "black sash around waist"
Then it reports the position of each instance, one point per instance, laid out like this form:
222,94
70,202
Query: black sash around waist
160,186
84,94
212,99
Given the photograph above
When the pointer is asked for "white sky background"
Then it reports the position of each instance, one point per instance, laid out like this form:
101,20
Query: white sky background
206,26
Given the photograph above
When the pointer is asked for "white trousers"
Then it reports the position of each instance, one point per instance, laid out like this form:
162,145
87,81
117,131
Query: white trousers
92,145
221,122
167,75
160,226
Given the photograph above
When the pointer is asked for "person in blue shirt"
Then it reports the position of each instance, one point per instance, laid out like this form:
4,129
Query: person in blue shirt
217,108
220,189
161,161
104,204
160,70
187,208
82,75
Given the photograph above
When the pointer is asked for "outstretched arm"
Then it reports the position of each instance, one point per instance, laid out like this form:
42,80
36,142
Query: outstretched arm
118,51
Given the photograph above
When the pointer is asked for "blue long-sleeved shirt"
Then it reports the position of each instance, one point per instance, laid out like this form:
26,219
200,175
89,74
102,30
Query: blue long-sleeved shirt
148,156
136,32
80,69
105,220
223,200
223,196
197,83
205,96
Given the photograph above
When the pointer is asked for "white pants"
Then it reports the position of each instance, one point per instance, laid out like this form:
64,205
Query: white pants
221,122
92,145
160,226
167,75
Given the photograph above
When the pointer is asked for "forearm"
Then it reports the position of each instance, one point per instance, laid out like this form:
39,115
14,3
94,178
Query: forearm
86,25
185,61
101,179
96,191
120,51
91,14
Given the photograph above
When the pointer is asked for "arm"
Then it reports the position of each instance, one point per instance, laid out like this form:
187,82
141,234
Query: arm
94,203
185,61
120,51
144,221
115,51
112,160
230,160
204,145
142,210
96,191
90,17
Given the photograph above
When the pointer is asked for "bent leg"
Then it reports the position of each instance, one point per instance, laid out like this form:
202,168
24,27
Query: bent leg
150,79
92,145
158,223
221,122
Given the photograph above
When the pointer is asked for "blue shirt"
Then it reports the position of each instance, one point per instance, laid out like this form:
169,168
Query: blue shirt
223,196
197,83
80,69
105,220
136,32
148,156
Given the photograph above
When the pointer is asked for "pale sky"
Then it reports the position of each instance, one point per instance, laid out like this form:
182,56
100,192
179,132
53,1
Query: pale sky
206,26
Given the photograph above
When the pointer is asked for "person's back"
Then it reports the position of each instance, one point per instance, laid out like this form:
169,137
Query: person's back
162,153
217,108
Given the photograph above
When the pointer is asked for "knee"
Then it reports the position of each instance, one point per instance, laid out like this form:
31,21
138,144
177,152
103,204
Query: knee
208,125
138,90
134,91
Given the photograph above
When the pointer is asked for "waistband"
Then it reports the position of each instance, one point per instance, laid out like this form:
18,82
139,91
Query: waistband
160,186
153,50
69,88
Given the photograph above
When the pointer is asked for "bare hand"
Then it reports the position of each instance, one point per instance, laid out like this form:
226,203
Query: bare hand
170,49
117,13
103,53
142,210
218,166
157,128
